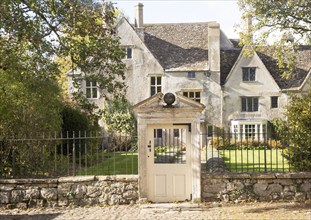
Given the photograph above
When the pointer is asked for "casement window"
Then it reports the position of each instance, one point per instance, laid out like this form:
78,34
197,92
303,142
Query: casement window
249,74
274,102
194,95
249,104
191,75
155,85
91,89
128,53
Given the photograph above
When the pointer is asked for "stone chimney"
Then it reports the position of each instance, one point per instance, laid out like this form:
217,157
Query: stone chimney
214,50
139,20
248,25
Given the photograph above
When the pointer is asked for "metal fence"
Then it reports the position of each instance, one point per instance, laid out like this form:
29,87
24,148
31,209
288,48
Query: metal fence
68,154
254,152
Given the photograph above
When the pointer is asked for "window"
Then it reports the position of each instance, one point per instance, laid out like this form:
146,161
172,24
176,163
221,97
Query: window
176,132
128,52
274,102
196,96
250,131
249,74
249,104
191,75
155,87
91,89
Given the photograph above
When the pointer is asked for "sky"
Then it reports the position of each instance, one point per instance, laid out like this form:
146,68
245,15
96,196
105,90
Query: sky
225,12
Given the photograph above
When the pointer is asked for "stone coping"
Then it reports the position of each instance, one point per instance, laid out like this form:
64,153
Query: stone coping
300,175
71,179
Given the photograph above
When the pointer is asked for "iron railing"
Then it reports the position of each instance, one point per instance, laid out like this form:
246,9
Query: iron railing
254,153
67,154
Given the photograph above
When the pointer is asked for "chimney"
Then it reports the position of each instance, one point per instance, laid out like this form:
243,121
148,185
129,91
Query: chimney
139,20
139,15
214,50
248,25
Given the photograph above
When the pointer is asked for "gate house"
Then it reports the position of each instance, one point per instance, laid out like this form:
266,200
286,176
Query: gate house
169,152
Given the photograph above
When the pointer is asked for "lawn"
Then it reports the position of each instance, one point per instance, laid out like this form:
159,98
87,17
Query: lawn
113,163
254,160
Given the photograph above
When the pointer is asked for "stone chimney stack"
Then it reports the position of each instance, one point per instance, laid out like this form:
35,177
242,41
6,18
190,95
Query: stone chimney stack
139,15
214,50
248,25
139,19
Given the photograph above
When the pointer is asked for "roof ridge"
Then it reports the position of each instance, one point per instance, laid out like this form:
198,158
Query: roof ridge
150,24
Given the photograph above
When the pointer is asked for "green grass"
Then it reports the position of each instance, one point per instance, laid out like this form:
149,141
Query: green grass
254,160
113,163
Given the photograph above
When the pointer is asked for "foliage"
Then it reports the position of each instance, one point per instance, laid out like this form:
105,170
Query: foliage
291,19
118,116
34,36
298,114
221,143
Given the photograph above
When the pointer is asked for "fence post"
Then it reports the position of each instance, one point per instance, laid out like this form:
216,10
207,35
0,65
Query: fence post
73,154
265,152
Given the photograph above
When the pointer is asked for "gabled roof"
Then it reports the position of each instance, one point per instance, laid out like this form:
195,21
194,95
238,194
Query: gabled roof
303,67
181,46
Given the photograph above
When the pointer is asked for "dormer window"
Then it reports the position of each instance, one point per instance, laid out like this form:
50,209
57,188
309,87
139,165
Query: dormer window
249,74
129,53
191,75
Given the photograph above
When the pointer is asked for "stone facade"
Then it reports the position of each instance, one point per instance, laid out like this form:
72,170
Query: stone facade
256,187
68,191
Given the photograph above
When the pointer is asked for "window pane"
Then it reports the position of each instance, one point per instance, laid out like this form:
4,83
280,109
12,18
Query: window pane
197,94
153,90
255,100
245,74
159,80
274,102
185,94
244,104
158,89
94,90
129,53
88,83
152,80
88,93
191,94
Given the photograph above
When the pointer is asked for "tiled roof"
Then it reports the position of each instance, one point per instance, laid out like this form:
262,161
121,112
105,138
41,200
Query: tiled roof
180,46
303,66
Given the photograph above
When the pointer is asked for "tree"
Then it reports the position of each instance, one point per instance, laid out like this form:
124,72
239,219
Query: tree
33,33
298,114
119,117
280,15
288,22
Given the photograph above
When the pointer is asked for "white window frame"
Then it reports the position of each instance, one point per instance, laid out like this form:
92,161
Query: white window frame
91,87
157,85
249,129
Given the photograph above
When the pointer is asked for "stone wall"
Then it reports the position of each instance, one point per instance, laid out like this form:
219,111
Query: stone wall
256,187
67,191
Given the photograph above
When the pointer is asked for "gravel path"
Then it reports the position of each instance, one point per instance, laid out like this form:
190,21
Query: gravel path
245,211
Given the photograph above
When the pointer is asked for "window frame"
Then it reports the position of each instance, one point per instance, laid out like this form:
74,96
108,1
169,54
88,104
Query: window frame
191,74
274,102
157,85
129,53
251,104
187,93
91,85
248,75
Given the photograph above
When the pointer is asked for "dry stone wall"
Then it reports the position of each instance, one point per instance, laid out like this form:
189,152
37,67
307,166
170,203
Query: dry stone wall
67,191
256,187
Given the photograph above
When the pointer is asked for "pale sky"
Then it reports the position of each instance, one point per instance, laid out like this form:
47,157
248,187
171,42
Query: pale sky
225,12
